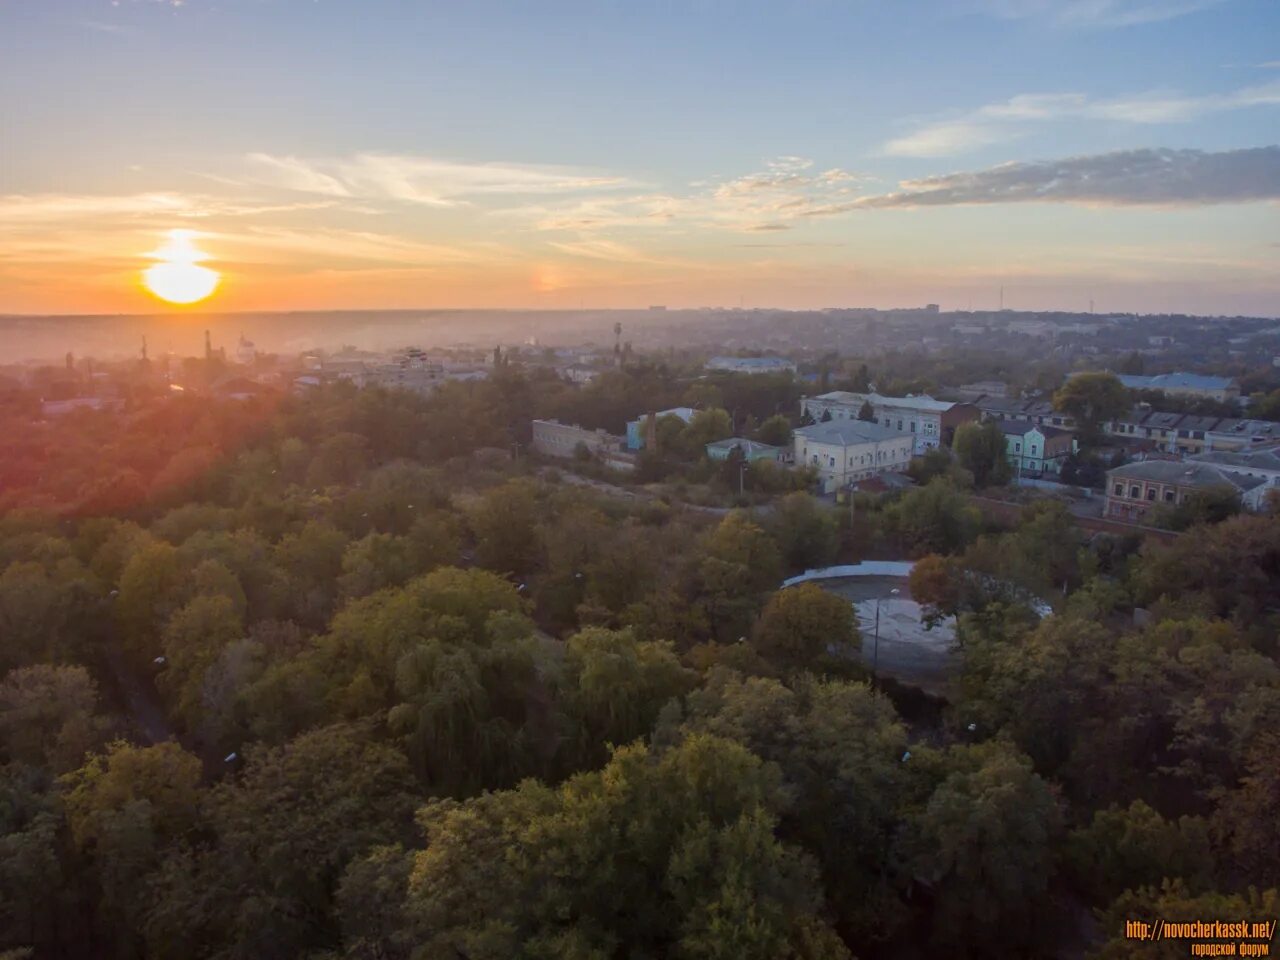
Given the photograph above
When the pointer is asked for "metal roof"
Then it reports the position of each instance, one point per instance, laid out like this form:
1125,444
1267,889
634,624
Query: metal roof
1020,428
1268,459
849,432
922,402
1176,381
1184,473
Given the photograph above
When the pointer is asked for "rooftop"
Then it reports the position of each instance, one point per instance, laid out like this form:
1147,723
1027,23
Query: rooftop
1018,428
748,446
1176,381
1248,428
1265,459
1185,474
684,413
1002,405
848,432
922,402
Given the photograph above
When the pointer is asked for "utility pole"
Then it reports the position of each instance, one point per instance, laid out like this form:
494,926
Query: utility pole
875,656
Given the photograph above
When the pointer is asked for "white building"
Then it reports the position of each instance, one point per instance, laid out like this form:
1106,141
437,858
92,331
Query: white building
1252,463
844,451
555,439
751,365
930,422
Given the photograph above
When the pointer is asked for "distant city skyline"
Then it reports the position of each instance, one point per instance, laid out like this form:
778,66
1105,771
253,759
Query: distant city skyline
327,154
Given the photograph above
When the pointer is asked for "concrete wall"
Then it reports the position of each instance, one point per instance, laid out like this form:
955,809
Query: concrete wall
868,568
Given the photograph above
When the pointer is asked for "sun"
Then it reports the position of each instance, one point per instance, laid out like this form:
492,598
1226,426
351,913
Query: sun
178,277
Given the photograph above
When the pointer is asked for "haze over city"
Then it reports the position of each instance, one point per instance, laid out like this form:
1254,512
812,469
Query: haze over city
329,155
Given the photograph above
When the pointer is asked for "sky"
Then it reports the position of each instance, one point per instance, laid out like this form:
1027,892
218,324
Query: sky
350,154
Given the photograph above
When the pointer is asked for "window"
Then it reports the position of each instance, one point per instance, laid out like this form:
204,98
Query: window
1135,493
833,460
1151,493
1168,496
913,426
1017,446
1034,450
1118,490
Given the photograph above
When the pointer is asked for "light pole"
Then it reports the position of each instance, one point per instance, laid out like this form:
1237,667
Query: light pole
875,656
742,473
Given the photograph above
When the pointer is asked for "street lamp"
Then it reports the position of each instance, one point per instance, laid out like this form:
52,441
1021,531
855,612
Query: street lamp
875,656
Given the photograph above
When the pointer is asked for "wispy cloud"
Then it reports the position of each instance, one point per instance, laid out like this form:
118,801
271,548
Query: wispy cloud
599,249
17,210
999,122
327,247
765,200
418,179
1093,13
1161,177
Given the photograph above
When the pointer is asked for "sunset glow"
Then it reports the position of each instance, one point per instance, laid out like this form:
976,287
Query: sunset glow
566,171
178,277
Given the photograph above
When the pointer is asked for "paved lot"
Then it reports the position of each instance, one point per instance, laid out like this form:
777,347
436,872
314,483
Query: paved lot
908,652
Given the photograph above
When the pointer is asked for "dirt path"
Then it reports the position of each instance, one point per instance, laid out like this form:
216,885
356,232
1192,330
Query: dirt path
138,698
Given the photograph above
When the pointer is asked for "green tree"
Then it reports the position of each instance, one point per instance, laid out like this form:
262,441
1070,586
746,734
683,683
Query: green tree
1210,505
805,627
935,518
36,908
1248,821
283,833
616,687
47,612
339,459
806,532
1093,399
1127,848
839,747
124,807
775,431
984,842
193,640
935,584
980,449
739,540
370,905
701,874
48,716
377,561
934,462
867,412
707,426
503,522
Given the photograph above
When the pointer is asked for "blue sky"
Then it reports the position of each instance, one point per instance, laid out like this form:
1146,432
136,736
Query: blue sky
353,153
